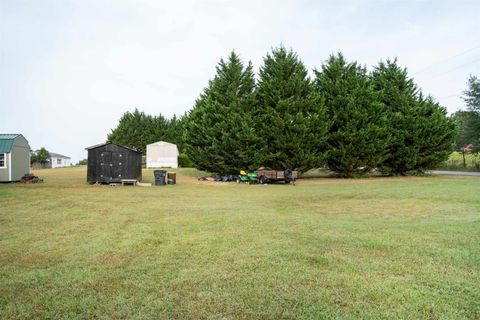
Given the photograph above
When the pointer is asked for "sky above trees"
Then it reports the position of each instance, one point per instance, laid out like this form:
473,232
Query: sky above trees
70,69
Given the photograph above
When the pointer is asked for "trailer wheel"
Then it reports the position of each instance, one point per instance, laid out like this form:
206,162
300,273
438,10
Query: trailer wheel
262,180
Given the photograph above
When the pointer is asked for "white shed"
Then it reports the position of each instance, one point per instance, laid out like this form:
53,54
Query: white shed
162,154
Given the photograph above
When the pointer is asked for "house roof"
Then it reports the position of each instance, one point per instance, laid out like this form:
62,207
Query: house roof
110,142
57,155
162,143
6,142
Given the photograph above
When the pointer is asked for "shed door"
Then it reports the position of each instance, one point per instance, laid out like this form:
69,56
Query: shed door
106,165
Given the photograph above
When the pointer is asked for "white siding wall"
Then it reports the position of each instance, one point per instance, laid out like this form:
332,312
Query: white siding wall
60,162
162,154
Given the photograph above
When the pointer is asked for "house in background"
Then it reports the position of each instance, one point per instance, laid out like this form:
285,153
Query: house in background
162,154
14,157
59,161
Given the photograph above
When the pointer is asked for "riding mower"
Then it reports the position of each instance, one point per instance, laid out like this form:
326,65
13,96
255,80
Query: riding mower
247,177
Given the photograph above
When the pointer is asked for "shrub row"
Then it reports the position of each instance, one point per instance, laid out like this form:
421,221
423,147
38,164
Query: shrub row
345,118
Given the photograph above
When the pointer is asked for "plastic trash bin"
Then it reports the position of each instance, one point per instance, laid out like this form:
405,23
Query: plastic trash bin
160,177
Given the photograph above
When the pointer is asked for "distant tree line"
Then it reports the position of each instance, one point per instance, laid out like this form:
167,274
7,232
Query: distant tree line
344,118
137,129
469,120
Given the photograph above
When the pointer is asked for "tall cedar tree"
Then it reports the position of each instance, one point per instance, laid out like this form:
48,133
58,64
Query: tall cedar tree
358,139
422,135
137,129
436,133
399,95
289,115
219,135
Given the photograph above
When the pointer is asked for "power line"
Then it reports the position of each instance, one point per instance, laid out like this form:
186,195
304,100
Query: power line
446,59
460,66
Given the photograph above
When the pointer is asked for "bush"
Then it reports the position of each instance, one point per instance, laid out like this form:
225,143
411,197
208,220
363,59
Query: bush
184,161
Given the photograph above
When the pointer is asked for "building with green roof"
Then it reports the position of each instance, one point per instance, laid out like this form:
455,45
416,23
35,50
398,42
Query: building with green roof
14,157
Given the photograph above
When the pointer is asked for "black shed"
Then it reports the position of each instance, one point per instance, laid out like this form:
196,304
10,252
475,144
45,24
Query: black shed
110,162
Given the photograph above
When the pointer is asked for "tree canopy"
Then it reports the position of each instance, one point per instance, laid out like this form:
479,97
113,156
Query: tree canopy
472,94
219,133
436,134
358,137
289,115
137,129
40,156
469,121
346,119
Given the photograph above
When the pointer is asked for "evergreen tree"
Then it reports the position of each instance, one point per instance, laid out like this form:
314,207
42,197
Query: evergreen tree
399,95
358,139
472,94
137,129
218,131
469,121
436,134
289,115
421,131
174,131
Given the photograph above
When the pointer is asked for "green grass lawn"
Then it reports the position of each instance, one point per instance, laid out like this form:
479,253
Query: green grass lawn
326,248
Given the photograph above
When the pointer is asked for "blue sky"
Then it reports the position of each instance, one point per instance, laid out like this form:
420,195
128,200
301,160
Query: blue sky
70,69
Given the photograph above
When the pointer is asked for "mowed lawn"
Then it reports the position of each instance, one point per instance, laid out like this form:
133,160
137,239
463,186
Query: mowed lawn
326,248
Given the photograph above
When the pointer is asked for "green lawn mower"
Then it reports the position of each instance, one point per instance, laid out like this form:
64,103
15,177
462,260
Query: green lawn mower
247,177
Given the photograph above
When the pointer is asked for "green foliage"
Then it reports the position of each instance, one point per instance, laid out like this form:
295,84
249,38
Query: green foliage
219,134
82,162
436,134
184,161
346,119
421,132
358,139
40,156
468,123
137,129
399,95
472,94
289,116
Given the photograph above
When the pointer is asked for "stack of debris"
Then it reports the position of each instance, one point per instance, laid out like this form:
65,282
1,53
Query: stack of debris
30,178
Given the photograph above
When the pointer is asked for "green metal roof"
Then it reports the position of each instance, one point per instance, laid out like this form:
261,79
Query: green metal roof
6,142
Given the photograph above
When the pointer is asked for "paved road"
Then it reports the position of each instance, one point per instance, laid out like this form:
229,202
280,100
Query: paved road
455,173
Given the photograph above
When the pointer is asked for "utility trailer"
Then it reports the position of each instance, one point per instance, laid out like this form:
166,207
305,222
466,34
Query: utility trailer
268,176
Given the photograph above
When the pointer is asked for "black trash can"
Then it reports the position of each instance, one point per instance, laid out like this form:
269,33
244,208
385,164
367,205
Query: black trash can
160,177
